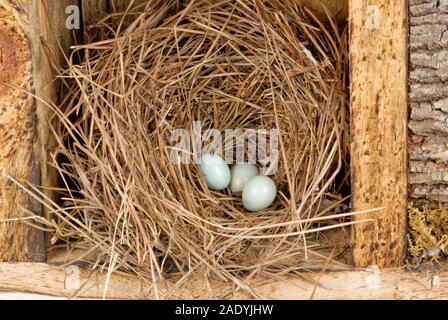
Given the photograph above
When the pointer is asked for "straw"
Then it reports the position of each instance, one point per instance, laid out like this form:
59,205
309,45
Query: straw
229,64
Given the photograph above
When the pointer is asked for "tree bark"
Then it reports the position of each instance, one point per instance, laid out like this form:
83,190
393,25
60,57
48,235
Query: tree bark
428,93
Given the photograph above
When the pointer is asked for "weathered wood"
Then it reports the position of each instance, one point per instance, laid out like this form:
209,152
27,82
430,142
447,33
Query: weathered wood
338,8
50,41
26,296
378,57
32,33
19,146
370,284
94,11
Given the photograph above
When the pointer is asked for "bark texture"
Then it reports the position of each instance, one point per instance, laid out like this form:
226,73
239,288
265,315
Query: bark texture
428,93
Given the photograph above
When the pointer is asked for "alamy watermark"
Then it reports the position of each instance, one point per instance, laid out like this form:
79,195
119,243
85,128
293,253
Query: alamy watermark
373,16
73,21
72,279
259,147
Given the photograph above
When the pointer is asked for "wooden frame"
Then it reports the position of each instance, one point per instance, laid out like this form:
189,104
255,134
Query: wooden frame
350,285
378,110
378,53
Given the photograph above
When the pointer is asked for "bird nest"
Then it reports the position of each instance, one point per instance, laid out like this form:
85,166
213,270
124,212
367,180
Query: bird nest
269,67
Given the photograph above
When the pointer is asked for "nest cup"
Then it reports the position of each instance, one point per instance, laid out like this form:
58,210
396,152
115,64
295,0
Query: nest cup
249,65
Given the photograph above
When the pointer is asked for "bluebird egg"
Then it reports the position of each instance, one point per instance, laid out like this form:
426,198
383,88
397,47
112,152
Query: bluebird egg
216,171
241,174
259,193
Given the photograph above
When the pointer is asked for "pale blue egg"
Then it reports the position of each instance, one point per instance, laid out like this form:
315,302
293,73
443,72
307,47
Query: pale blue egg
216,171
241,174
259,193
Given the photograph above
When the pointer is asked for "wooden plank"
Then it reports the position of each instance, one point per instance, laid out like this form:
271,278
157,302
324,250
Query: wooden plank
19,144
378,55
50,280
26,296
338,8
50,40
24,130
93,11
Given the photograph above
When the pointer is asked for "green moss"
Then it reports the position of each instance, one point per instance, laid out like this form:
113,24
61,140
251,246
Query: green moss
427,232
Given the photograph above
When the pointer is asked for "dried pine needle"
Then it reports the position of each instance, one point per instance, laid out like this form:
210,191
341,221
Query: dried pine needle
230,64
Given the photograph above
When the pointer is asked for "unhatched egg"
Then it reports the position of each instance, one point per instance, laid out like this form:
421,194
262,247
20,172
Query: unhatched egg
241,174
216,171
259,193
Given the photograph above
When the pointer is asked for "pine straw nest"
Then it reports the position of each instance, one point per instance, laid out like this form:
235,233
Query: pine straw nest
230,64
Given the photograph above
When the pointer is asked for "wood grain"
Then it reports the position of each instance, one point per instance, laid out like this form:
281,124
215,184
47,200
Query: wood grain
95,10
378,58
50,41
32,38
49,280
19,145
338,8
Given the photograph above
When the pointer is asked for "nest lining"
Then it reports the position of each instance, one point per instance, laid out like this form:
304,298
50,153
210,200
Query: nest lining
230,64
